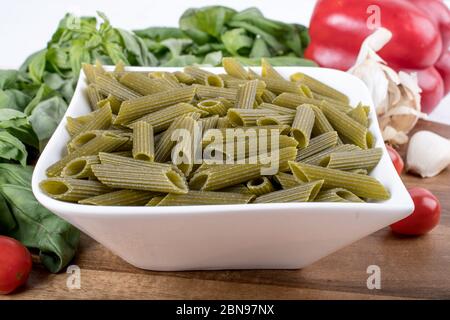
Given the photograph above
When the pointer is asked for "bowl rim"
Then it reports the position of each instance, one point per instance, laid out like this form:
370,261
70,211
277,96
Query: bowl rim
404,203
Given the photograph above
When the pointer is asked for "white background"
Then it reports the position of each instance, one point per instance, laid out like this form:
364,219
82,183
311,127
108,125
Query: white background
26,26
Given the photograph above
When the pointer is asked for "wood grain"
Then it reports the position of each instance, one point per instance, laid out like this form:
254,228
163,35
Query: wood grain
410,268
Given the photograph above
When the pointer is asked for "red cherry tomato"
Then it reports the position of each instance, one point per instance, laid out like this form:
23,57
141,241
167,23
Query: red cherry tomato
396,159
425,217
15,264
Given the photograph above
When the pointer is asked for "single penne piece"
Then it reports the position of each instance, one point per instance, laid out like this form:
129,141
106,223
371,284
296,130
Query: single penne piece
337,195
279,86
277,109
239,188
303,124
112,101
268,96
246,117
120,198
194,197
223,122
347,127
214,80
360,159
257,131
183,77
80,168
306,192
292,100
221,176
183,152
143,142
107,85
318,144
306,91
316,158
268,71
94,96
204,77
156,177
104,143
279,119
118,159
286,180
321,123
89,72
359,115
246,95
101,119
260,186
209,92
161,119
319,87
208,123
361,185
143,84
234,68
213,106
73,126
136,108
154,201
72,190
237,83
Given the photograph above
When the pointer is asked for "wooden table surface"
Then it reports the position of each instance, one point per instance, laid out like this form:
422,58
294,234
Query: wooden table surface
410,268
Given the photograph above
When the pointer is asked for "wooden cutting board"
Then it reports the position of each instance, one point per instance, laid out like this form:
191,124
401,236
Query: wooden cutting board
410,268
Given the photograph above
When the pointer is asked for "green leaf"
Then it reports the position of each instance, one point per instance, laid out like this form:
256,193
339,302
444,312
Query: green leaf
37,66
115,52
78,54
36,227
12,148
237,42
181,61
43,93
160,33
176,46
137,50
259,49
15,174
13,99
8,78
46,117
31,57
17,124
213,59
203,23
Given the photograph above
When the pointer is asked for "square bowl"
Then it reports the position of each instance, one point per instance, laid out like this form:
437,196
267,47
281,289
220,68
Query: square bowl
249,236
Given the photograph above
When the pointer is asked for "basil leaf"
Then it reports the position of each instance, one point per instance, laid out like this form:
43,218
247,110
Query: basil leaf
176,46
181,61
8,78
17,124
78,54
36,227
37,66
13,99
160,33
237,42
15,174
12,148
43,93
31,57
259,49
213,59
46,117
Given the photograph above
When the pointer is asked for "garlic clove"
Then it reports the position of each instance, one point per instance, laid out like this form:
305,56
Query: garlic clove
428,154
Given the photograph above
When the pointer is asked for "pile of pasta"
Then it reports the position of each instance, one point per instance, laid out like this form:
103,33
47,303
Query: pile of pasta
120,153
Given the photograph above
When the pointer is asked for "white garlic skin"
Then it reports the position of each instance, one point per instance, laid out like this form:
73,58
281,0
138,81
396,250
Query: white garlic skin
428,154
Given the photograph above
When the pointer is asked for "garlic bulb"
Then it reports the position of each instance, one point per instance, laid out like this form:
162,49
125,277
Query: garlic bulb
428,154
396,95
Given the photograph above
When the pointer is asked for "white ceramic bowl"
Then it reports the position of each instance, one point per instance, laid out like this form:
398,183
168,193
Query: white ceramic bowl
272,236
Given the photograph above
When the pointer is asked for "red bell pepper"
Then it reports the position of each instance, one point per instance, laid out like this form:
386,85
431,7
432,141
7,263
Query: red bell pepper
338,28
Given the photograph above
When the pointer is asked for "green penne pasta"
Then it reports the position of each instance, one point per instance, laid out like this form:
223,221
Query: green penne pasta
154,201
321,123
118,159
93,96
234,68
221,176
301,193
239,188
318,144
279,86
316,158
183,153
267,71
108,85
136,108
198,74
112,101
89,72
260,186
73,126
99,120
221,133
246,95
359,171
292,100
361,159
154,177
104,143
80,168
282,119
286,180
143,84
143,143
72,190
337,195
208,123
214,80
268,96
319,87
246,117
306,91
347,127
161,119
359,115
213,106
223,122
120,198
237,83
277,109
183,77
193,198
209,92
361,185
303,124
